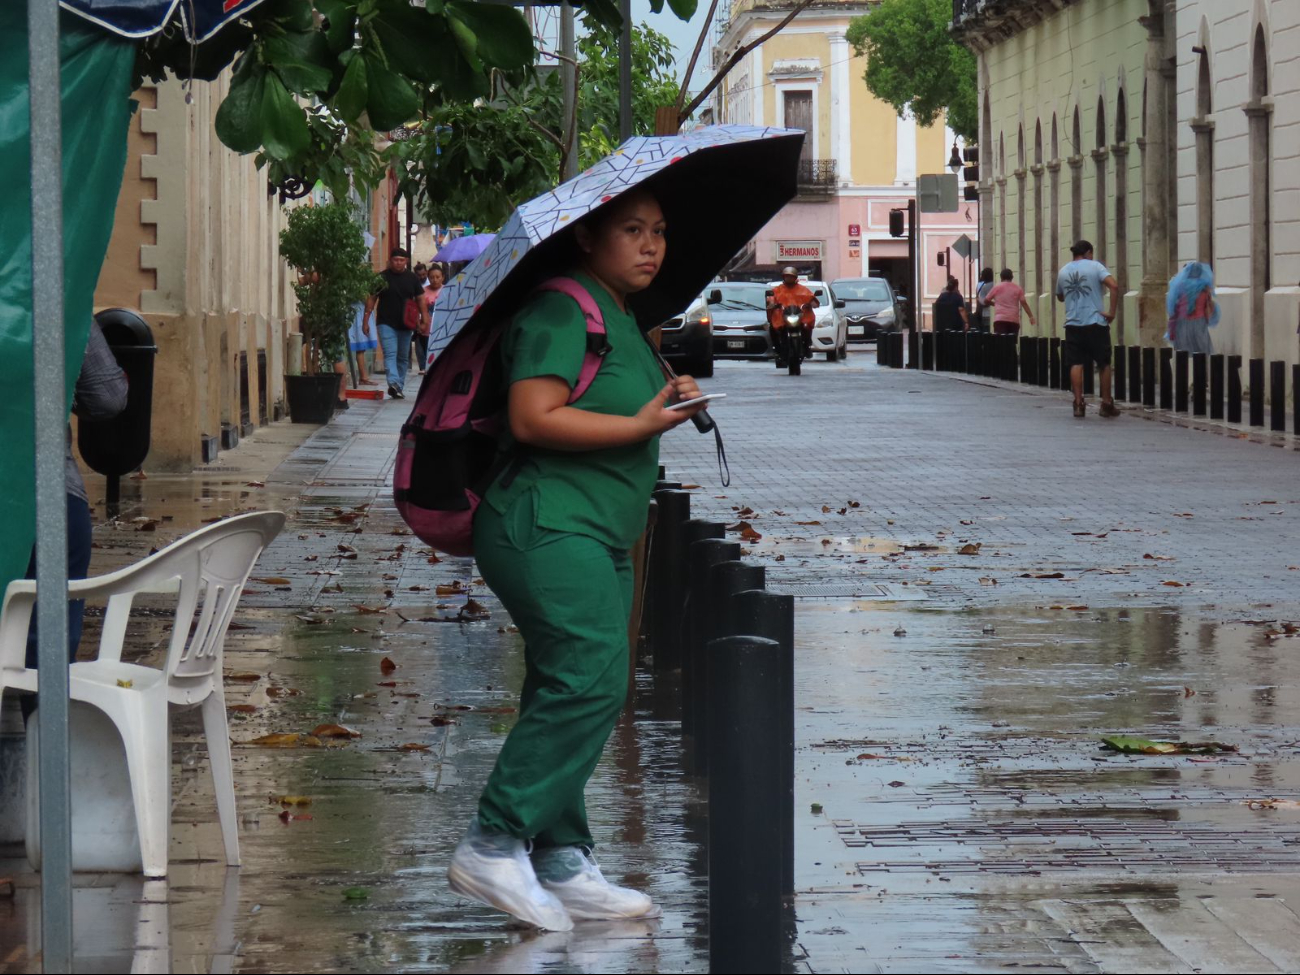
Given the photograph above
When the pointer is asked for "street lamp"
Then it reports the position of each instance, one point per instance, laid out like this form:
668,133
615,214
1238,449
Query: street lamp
954,161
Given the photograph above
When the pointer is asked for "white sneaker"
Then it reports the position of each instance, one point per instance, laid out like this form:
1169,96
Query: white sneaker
571,874
494,868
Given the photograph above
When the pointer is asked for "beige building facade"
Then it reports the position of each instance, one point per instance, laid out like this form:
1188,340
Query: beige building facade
1165,131
195,250
860,159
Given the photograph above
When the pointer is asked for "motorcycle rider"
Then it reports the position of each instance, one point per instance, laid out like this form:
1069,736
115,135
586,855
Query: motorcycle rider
789,292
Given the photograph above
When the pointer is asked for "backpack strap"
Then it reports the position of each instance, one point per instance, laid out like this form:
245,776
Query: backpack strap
597,344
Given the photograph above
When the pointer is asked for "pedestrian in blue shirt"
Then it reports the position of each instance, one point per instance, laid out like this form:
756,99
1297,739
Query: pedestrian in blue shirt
1087,327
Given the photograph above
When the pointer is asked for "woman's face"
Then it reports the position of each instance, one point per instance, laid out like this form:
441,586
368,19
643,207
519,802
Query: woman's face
627,249
435,277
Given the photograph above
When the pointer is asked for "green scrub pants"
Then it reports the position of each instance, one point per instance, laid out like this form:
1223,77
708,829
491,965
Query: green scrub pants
570,596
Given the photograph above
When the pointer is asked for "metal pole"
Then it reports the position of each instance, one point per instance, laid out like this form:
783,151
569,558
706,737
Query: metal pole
51,506
625,72
568,78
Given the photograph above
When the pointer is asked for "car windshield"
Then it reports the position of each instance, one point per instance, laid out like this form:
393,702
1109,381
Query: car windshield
863,290
742,297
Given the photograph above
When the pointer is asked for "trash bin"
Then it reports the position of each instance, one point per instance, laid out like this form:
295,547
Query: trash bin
118,446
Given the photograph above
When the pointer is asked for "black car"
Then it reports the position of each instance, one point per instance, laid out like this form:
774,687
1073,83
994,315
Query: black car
686,341
739,310
870,307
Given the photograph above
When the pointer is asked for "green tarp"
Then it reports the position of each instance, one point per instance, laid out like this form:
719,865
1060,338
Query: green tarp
96,71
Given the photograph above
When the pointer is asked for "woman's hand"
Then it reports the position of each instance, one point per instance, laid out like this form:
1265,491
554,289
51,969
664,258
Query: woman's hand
656,418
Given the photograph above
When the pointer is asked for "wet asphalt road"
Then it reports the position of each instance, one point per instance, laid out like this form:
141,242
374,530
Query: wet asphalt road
948,735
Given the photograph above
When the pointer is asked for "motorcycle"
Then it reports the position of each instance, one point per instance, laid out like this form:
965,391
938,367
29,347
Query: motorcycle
793,344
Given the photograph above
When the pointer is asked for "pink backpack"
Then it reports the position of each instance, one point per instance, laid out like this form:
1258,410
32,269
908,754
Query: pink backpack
448,453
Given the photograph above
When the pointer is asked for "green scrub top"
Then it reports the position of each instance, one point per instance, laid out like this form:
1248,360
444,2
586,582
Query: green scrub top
599,493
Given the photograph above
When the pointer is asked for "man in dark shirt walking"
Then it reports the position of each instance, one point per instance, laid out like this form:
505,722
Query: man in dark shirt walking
389,305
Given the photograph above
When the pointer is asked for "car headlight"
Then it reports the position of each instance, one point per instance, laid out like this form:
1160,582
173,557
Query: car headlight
885,316
699,318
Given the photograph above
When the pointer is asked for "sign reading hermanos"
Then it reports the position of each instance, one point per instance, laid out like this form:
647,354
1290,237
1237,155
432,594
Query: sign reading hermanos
799,250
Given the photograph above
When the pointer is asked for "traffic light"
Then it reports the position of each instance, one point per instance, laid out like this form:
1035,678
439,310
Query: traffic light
897,224
971,173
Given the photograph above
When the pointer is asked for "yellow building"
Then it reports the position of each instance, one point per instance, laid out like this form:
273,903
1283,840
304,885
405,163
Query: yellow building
860,159
195,250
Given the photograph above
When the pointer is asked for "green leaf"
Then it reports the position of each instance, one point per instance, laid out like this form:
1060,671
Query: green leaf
342,29
466,41
411,40
354,90
476,157
685,9
504,39
239,119
300,60
390,100
284,126
292,15
1146,746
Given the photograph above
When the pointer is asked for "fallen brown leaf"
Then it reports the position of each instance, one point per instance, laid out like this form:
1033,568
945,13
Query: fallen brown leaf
1171,582
451,589
288,817
412,746
970,548
242,708
367,610
244,678
440,720
387,666
286,740
283,692
807,522
335,731
291,800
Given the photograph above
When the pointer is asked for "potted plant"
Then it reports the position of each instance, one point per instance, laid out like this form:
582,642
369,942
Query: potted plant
324,244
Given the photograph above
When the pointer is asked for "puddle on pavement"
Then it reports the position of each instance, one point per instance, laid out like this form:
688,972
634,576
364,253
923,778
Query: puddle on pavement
847,544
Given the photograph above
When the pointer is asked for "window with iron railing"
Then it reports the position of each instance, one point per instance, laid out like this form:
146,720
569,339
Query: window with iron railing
814,173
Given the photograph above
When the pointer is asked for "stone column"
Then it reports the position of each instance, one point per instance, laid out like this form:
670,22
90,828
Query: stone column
841,117
1054,253
1152,316
905,165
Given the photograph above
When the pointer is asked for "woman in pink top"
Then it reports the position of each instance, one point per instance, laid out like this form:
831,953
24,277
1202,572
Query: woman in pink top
1007,298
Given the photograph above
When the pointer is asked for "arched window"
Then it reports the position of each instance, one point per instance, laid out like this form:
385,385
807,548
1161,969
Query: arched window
1203,126
1038,209
1076,179
1120,151
1002,197
1261,151
1099,158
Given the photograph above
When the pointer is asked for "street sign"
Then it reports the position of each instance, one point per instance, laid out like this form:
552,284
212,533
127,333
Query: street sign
937,193
963,245
855,230
798,250
855,242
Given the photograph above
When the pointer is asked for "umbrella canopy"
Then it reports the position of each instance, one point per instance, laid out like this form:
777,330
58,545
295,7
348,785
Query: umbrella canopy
718,185
465,248
141,18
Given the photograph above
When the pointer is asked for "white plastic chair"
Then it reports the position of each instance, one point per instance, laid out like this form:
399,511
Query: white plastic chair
208,570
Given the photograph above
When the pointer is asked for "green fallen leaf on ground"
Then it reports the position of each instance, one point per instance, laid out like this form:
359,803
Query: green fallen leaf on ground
816,808
499,728
356,894
1146,746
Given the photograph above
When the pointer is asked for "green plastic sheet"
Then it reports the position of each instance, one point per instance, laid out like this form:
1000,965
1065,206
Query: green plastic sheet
96,71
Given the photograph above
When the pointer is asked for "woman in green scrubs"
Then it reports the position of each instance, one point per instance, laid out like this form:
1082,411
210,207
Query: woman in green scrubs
552,539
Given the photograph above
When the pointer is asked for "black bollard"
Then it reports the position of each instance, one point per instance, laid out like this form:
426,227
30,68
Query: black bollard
1044,362
1216,387
1277,396
702,556
1200,364
1054,364
1256,392
1166,379
745,904
913,349
1180,381
1135,374
1149,377
1295,400
1120,384
1234,389
992,355
663,473
882,343
770,615
665,485
666,579
1013,359
1027,360
725,580
900,350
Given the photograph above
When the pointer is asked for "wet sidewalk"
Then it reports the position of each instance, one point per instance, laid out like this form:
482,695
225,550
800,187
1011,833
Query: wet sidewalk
977,608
